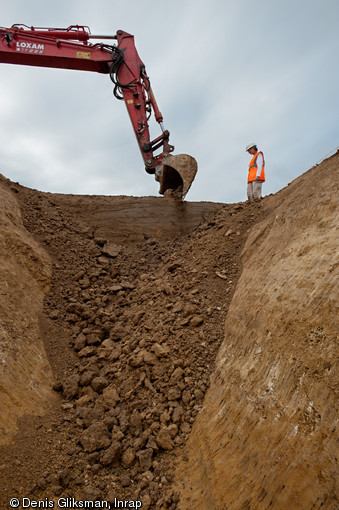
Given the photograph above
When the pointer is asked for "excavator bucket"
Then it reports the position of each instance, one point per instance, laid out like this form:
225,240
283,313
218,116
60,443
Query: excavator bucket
176,173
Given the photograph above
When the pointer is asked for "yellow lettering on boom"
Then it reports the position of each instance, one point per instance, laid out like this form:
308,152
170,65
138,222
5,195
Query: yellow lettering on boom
83,54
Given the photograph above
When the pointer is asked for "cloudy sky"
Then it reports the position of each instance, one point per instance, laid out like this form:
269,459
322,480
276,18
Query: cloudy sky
225,73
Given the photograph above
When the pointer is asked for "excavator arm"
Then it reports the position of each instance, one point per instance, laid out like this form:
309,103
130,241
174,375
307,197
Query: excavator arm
71,48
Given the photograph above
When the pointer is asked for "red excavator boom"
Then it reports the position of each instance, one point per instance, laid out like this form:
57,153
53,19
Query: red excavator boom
69,48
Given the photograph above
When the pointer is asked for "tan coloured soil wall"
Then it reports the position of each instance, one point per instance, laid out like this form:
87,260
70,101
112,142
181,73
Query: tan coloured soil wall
25,271
266,435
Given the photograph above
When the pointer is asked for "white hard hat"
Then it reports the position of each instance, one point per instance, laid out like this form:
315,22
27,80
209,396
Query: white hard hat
250,145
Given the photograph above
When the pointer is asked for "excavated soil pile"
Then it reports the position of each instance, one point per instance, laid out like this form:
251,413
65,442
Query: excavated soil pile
131,325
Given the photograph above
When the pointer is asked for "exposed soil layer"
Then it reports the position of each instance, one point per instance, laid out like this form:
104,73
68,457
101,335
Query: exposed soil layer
25,272
143,380
267,436
131,326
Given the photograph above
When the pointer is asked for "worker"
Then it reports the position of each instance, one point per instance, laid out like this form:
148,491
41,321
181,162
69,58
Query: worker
256,173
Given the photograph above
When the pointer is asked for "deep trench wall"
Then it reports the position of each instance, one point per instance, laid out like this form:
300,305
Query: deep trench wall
125,219
266,437
25,272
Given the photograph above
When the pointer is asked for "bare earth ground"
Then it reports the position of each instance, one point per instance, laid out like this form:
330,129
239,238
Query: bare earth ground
131,324
131,331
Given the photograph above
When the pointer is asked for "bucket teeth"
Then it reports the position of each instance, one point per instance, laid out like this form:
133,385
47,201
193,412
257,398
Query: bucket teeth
177,174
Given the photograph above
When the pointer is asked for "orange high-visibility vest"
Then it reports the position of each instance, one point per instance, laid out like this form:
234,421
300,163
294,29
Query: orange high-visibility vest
252,170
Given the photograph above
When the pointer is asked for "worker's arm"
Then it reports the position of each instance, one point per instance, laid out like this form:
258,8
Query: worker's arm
259,165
